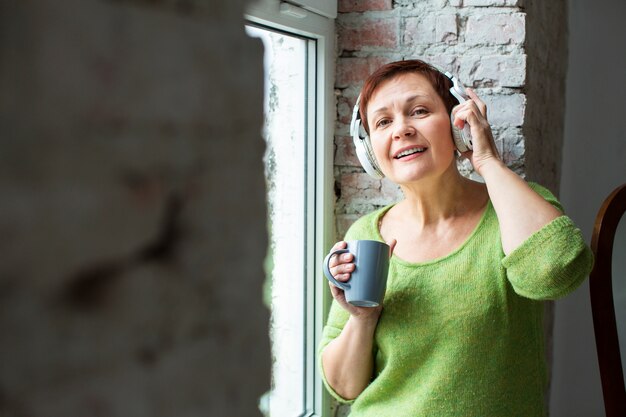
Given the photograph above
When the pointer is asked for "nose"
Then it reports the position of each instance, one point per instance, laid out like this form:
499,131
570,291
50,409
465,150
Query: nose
403,129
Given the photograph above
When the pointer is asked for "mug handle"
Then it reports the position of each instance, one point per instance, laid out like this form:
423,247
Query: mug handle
343,285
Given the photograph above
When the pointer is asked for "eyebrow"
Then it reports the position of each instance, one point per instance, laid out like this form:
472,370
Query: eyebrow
408,100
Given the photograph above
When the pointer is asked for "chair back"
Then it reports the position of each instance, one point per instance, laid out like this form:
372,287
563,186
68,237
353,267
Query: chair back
606,296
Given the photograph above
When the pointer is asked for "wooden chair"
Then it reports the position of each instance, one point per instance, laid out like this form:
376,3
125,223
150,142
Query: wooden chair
602,305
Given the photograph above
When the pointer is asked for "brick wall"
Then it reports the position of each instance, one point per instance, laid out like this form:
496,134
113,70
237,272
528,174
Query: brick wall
486,43
133,225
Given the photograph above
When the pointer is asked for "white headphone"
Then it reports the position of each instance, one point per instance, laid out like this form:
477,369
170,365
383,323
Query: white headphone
365,153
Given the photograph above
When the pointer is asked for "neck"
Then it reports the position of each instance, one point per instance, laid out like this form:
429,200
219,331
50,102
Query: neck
432,200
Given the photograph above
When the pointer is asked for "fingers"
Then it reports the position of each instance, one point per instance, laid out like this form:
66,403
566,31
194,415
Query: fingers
468,112
482,107
341,265
473,110
339,245
457,121
392,245
337,293
340,261
342,271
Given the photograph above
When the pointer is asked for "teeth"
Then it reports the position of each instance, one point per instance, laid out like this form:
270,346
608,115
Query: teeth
409,152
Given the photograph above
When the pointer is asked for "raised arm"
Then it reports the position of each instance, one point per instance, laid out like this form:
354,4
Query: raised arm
520,210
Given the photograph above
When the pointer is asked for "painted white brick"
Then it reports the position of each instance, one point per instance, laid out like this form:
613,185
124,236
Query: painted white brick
494,70
344,110
444,62
361,189
343,223
513,150
390,191
484,3
456,3
345,154
489,3
506,110
446,28
419,30
499,29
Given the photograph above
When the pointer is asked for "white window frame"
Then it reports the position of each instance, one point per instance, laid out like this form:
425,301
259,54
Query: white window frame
326,8
320,153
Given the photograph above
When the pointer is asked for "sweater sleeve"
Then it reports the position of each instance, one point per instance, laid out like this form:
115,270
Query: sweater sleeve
553,261
338,317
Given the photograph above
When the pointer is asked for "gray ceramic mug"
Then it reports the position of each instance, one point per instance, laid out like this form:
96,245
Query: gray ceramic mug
368,282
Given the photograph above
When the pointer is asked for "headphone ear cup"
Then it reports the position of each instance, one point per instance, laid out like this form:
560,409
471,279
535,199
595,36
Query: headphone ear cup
364,150
462,137
457,136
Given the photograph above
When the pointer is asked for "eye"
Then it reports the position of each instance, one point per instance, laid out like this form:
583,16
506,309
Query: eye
419,111
382,123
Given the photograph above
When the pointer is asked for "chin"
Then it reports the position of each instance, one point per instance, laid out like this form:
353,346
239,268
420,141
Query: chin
406,175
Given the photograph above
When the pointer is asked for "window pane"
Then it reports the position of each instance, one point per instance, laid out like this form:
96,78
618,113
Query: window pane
285,167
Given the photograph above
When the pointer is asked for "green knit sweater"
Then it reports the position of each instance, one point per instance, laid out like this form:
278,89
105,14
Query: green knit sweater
462,335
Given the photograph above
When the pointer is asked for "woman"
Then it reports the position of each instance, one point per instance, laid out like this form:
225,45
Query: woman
460,332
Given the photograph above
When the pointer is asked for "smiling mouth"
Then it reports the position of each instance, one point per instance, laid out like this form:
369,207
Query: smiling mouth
410,152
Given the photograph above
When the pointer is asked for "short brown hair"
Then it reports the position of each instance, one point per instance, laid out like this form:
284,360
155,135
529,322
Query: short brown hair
437,79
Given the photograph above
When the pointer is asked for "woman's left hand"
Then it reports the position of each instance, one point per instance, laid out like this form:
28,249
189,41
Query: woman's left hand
474,112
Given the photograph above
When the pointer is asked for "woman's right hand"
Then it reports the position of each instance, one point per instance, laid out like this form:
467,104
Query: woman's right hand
341,267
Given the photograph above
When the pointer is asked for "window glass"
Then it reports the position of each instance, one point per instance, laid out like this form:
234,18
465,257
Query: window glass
285,132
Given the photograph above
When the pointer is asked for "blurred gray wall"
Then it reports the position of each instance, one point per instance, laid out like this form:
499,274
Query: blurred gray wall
132,210
594,163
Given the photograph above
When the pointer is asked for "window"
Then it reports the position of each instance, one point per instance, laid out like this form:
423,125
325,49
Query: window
299,112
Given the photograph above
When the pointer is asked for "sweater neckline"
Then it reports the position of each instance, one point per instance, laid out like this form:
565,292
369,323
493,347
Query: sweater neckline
394,258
